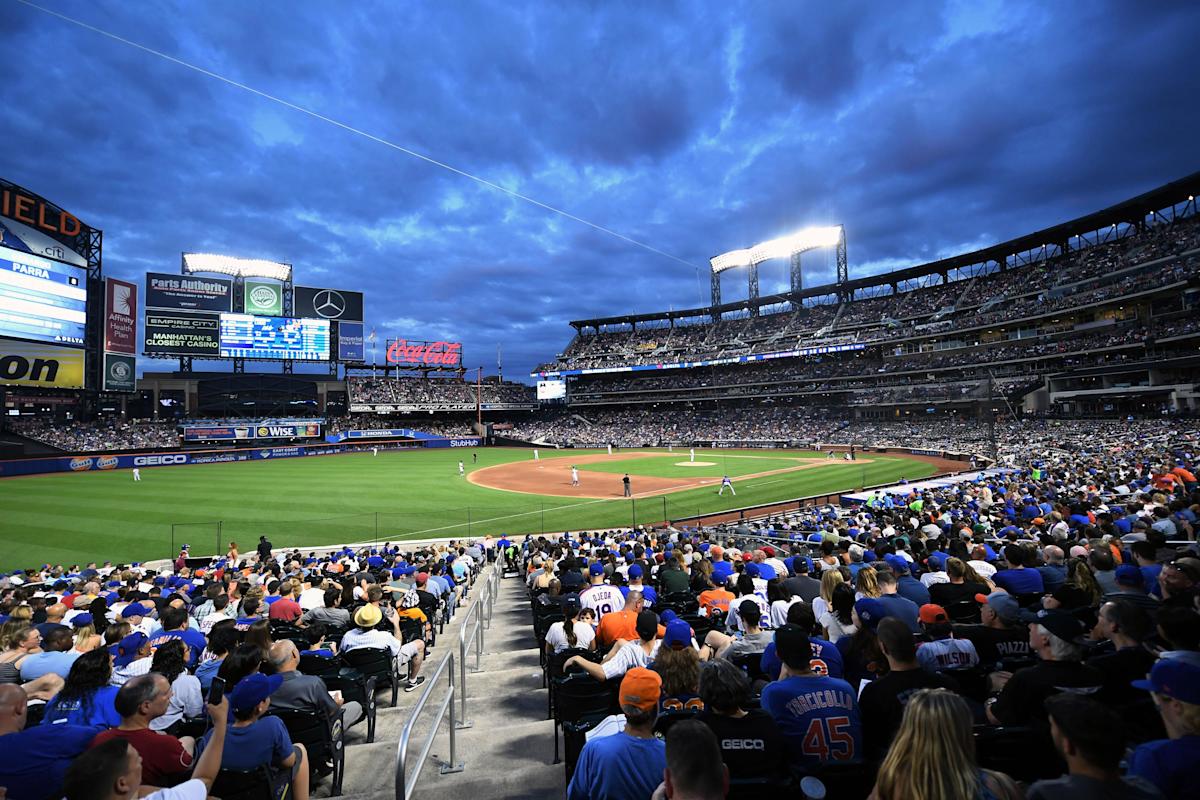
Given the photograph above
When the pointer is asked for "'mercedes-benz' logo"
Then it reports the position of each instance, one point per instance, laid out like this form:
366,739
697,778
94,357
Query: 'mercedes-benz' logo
329,304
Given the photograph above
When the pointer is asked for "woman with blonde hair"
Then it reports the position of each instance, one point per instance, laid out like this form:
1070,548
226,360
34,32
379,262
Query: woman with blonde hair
866,585
933,755
1080,575
823,603
232,553
86,638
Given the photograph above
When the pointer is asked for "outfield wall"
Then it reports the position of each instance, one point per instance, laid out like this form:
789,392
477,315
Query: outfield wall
41,466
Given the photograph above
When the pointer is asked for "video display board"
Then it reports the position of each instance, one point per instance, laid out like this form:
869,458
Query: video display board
188,292
249,336
551,390
350,342
182,333
41,300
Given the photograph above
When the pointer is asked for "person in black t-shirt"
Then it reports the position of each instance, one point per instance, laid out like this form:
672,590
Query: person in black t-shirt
999,638
1126,626
751,743
263,549
959,589
882,702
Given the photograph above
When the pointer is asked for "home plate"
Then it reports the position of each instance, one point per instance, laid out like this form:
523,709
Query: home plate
695,463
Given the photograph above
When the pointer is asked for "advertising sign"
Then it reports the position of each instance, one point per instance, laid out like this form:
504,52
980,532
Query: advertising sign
327,303
33,364
120,316
188,292
41,300
263,299
182,333
120,373
446,354
248,336
33,225
217,433
350,342
551,390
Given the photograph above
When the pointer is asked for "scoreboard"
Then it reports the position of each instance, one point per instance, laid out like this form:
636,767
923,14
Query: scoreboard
41,300
250,336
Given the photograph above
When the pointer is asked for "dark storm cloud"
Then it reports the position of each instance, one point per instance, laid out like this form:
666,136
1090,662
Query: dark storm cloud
925,128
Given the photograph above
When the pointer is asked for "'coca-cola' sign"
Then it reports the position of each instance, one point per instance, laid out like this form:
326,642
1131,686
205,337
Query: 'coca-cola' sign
446,354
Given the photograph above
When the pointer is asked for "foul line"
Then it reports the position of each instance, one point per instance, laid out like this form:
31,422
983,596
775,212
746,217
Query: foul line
354,130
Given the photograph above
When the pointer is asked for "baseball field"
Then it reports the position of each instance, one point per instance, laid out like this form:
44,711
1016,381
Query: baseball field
70,518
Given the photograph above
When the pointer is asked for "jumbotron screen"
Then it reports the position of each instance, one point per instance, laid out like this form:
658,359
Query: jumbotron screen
41,300
249,336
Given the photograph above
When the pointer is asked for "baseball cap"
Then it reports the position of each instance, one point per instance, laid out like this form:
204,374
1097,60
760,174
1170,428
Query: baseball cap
422,577
934,562
752,570
678,635
640,688
1062,624
571,605
766,571
411,599
870,611
1188,566
646,625
133,610
768,551
747,556
368,616
1004,604
253,689
716,550
1129,575
1079,551
125,651
635,571
1173,677
792,646
932,614
596,568
899,564
81,620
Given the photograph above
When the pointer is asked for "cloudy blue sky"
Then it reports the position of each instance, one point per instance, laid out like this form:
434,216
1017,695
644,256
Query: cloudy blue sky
926,128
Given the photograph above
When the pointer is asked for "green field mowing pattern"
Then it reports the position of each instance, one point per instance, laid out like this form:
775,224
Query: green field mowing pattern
79,517
721,464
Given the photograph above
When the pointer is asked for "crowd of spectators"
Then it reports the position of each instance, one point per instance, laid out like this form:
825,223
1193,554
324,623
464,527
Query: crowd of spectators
98,659
1072,281
103,433
429,391
1032,633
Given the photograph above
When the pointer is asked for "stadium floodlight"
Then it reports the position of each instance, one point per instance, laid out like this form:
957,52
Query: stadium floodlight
783,247
236,267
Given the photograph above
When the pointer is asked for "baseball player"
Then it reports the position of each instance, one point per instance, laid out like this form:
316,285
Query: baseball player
610,449
474,458
461,469
574,476
374,451
726,482
535,455
693,454
137,474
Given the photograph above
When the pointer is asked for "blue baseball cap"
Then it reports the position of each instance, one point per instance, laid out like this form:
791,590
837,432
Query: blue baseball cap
766,572
871,611
252,690
635,571
1173,677
899,564
596,568
125,651
667,615
678,635
1129,575
934,562
81,620
753,570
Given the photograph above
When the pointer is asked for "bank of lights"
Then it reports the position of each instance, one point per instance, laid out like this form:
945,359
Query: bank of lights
783,247
236,267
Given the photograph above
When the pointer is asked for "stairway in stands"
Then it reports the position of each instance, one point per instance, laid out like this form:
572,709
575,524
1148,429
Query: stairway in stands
507,751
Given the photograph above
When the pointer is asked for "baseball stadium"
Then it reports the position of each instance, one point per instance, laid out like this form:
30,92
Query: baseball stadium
854,524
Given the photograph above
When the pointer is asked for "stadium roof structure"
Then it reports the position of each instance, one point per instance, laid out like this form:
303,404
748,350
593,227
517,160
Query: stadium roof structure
1089,230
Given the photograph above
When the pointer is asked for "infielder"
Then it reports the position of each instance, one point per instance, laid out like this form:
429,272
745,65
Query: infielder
693,454
535,456
461,469
574,476
726,482
610,449
137,474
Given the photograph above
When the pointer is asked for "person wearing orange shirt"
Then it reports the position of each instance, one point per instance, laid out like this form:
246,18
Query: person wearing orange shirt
1185,475
715,598
623,624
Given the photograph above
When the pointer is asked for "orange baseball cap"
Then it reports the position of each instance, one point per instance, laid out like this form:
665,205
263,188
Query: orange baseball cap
641,688
932,614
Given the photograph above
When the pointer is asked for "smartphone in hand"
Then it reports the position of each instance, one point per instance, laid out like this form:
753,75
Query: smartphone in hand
216,691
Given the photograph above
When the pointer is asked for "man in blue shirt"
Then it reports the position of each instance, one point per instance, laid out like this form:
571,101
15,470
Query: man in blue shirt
907,586
896,606
35,759
826,660
817,715
1170,763
627,765
1018,579
175,626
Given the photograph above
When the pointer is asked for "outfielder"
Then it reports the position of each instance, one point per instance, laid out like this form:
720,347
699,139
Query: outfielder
137,474
374,451
574,476
726,482
461,469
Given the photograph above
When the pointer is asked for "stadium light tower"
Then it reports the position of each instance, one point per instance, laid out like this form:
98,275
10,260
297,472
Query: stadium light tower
790,246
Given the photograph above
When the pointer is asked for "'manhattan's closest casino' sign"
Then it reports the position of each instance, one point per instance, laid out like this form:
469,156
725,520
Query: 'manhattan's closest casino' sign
405,352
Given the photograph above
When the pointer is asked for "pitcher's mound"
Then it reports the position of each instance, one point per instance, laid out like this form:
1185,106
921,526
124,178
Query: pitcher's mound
695,463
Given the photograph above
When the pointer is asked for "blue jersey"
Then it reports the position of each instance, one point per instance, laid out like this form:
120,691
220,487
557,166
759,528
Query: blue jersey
819,718
826,660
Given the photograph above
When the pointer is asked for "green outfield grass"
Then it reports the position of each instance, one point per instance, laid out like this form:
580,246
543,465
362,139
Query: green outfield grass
67,518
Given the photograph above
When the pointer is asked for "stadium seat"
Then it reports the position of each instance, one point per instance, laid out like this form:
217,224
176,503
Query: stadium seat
666,719
349,681
844,781
1023,753
759,788
324,739
254,784
963,612
376,663
699,625
580,701
751,664
553,669
679,602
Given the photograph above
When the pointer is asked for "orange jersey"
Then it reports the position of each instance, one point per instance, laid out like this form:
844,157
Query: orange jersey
715,600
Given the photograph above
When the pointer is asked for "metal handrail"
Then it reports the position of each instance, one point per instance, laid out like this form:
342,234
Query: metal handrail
404,784
476,633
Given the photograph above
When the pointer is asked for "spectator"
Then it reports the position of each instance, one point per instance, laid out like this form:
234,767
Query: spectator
364,634
942,651
186,700
300,692
254,740
332,614
753,639
166,760
56,657
287,608
862,658
624,655
1126,627
570,632
677,661
175,626
1018,579
1000,636
933,755
34,760
1083,732
131,657
838,620
826,660
1170,763
897,606
221,640
801,702
882,702
630,764
86,697
694,770
1131,588
752,746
